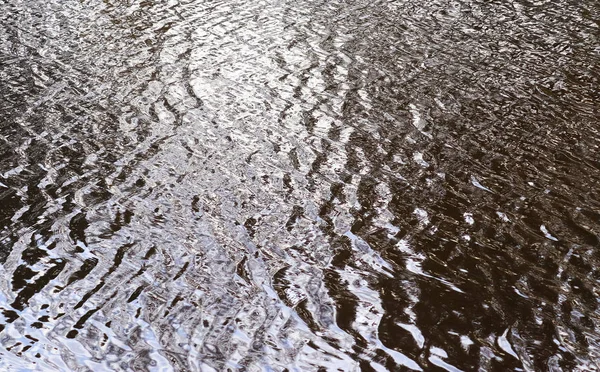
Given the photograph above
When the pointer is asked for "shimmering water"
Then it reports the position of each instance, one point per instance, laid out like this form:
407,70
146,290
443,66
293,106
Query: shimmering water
299,185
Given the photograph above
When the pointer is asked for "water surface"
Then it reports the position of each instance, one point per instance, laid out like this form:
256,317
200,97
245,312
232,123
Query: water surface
299,185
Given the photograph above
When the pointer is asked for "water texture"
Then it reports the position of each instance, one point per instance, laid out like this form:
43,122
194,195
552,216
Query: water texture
299,185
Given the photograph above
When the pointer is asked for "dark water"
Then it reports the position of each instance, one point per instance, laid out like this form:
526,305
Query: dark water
299,185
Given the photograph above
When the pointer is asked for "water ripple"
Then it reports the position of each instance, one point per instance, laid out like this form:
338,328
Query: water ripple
235,185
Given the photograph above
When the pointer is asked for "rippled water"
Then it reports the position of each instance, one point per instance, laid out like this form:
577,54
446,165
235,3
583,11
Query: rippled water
299,185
